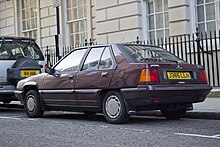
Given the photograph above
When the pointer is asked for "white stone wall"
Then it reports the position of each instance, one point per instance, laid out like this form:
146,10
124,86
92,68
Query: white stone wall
93,20
179,17
112,21
47,23
117,20
7,18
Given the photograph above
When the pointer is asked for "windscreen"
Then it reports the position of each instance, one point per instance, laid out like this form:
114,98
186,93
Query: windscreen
13,50
143,53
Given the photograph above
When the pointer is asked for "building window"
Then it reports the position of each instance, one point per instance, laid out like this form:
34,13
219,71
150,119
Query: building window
29,18
158,20
208,15
77,21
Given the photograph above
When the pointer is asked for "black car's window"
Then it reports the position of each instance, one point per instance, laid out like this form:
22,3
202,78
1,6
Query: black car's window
13,50
71,62
92,60
142,53
106,60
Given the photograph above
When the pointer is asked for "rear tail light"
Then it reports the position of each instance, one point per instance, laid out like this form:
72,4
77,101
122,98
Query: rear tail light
202,76
149,75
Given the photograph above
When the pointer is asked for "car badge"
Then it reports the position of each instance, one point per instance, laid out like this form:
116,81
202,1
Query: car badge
179,67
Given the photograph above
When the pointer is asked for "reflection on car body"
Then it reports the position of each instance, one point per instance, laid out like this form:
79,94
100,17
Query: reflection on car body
118,80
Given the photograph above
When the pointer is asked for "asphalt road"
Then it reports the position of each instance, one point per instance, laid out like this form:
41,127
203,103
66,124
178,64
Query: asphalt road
75,129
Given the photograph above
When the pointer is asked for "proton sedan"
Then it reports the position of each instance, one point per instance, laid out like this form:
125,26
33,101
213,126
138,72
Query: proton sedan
117,80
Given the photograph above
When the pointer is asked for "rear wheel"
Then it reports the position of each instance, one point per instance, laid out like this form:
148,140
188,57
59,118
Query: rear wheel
114,108
32,104
173,114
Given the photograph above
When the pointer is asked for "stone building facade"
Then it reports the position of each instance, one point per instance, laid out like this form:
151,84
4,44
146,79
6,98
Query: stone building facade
106,21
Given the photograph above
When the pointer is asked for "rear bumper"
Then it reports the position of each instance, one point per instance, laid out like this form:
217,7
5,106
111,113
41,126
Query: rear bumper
7,92
163,95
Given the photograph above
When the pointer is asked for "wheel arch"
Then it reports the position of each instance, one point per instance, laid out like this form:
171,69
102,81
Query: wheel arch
27,88
103,92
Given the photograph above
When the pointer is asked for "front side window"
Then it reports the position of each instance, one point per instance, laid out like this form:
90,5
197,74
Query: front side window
29,18
158,20
71,62
77,21
207,15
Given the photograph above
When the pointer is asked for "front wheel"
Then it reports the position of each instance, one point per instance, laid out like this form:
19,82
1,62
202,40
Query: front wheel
32,104
114,108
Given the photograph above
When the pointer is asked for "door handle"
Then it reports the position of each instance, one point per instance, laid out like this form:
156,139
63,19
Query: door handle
71,77
104,74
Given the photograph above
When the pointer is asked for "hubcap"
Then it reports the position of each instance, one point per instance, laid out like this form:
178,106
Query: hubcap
113,106
30,103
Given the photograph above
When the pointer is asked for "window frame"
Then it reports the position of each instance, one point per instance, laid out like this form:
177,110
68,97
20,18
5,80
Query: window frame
71,37
20,19
216,20
146,20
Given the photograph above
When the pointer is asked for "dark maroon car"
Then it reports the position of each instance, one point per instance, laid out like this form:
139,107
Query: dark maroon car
118,80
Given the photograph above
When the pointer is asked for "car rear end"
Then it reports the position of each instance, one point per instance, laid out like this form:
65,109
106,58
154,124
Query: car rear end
20,57
164,80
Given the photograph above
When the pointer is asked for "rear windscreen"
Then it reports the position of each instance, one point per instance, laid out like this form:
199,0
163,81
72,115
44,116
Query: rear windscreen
142,53
13,50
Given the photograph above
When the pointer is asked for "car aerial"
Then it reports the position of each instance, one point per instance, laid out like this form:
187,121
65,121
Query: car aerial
117,80
20,57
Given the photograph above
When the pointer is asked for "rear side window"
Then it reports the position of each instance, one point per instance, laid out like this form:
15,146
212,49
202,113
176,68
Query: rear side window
98,59
13,50
92,60
106,61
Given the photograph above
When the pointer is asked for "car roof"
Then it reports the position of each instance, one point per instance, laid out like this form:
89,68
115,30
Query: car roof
16,38
116,44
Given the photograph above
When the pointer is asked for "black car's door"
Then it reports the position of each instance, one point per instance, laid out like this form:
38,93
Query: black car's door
96,74
59,90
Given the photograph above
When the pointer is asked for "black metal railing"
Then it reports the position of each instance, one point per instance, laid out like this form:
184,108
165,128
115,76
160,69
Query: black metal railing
197,48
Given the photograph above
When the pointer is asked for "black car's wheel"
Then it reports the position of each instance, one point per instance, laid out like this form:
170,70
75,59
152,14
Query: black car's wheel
114,108
32,104
175,114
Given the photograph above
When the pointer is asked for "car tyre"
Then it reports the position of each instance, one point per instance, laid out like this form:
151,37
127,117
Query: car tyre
114,108
32,104
177,114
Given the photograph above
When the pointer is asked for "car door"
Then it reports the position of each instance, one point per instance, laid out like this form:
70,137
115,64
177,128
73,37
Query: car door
95,74
59,90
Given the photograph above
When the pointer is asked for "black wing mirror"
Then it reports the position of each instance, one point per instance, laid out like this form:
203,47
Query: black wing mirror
53,72
49,70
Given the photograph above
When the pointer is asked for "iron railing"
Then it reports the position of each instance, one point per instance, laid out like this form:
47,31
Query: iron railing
197,48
